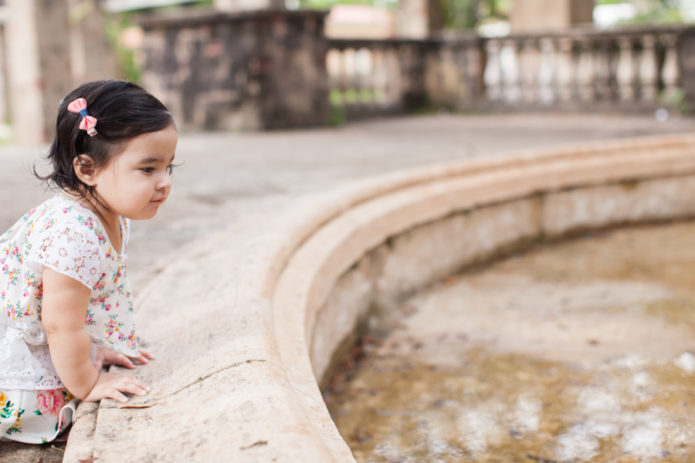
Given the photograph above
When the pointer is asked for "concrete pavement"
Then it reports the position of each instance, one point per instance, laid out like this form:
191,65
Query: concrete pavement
224,177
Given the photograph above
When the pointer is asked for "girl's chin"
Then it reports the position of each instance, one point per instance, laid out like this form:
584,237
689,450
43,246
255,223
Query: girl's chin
146,214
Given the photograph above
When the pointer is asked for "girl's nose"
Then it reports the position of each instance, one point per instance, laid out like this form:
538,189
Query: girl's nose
164,182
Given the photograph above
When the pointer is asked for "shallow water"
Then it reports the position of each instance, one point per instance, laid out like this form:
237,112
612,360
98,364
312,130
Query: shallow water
579,351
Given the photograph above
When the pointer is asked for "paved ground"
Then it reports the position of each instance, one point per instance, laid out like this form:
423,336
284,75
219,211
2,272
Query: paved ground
227,177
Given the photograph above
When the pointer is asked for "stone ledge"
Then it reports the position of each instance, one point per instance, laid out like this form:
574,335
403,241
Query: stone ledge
234,378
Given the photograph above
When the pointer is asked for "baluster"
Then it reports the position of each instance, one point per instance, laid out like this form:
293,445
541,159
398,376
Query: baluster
564,69
448,78
493,72
474,73
602,70
363,72
626,70
547,93
333,67
670,73
379,78
529,61
344,76
350,77
406,66
648,69
394,77
509,61
586,71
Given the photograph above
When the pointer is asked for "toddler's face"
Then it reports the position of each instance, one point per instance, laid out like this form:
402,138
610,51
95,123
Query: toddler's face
138,179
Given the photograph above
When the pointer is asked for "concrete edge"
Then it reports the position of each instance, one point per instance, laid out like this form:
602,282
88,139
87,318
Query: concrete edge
401,201
323,237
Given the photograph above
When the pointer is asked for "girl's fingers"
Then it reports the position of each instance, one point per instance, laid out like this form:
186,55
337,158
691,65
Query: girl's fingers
139,360
134,387
124,361
118,396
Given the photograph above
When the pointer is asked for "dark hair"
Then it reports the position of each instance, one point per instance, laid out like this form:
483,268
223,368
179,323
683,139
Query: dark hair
123,111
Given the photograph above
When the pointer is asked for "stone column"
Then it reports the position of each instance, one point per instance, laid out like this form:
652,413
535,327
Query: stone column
4,94
246,5
548,15
230,71
92,57
38,65
24,72
412,19
61,44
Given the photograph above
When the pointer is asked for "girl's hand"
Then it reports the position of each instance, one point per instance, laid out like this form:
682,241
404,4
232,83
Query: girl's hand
113,385
144,358
107,356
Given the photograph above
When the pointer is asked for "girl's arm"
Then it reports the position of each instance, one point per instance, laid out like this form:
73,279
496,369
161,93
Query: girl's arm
63,313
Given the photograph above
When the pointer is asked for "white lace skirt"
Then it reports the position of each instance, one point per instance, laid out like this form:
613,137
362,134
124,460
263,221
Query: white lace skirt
35,417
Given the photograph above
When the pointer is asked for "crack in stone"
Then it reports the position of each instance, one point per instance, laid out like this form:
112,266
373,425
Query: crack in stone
255,444
199,380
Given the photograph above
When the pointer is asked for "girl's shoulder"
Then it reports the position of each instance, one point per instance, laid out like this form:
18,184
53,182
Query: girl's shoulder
59,211
55,215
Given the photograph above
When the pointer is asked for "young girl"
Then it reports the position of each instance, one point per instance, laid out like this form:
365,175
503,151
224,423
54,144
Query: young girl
67,308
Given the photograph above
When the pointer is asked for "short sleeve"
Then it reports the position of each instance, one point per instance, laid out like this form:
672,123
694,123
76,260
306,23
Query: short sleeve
70,249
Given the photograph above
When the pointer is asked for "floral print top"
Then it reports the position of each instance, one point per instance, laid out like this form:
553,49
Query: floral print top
67,237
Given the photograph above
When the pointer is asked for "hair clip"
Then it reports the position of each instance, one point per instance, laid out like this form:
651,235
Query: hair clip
79,106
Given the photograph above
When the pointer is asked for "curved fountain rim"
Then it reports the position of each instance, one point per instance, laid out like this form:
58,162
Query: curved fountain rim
346,219
295,262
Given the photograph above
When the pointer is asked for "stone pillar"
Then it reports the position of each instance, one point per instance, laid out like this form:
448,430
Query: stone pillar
4,94
24,72
246,5
549,15
412,19
61,45
252,70
92,57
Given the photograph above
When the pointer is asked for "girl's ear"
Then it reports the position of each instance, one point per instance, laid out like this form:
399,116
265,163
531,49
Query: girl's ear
85,169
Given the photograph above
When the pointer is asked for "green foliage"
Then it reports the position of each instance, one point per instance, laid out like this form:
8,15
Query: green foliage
338,116
651,11
676,100
115,24
326,4
468,14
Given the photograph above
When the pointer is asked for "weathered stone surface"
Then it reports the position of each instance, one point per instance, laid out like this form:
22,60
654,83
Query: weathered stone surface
431,252
601,206
346,307
254,70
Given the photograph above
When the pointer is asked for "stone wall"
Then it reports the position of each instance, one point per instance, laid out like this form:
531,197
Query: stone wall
222,71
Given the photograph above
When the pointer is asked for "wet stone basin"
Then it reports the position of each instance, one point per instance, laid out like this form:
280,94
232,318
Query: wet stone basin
568,352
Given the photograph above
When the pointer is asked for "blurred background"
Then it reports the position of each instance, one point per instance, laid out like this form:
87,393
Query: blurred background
265,64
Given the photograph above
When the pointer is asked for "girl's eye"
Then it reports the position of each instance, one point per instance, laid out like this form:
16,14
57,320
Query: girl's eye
147,170
170,168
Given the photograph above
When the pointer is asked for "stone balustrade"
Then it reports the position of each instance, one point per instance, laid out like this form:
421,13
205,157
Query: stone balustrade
587,69
578,69
276,69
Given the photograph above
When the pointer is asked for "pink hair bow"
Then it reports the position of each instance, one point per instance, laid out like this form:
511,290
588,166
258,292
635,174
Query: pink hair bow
88,122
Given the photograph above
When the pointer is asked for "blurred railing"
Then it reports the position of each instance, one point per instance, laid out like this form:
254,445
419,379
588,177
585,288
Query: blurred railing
276,69
577,69
375,76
